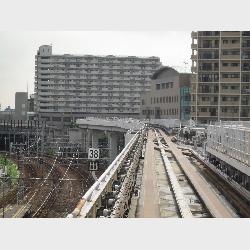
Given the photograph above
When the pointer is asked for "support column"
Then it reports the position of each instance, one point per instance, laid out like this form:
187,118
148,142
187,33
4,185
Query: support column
113,142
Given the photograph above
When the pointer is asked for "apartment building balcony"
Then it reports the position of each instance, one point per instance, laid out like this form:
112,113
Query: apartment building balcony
230,69
210,69
229,103
40,60
245,91
50,88
246,68
194,46
230,33
40,76
245,33
194,34
229,92
194,69
208,47
194,57
45,71
246,45
207,103
208,33
236,80
230,57
206,114
230,45
229,115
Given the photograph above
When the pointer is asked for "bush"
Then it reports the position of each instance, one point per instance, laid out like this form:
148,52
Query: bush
12,170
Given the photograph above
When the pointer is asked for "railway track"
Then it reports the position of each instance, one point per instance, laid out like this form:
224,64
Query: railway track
238,202
214,203
189,204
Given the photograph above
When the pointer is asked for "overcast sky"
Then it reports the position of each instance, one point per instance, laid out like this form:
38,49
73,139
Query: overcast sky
18,49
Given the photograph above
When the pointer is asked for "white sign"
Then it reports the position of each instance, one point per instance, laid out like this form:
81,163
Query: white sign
93,166
93,154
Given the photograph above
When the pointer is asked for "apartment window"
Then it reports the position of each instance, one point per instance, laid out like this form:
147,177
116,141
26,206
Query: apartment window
208,77
158,86
56,119
224,64
234,110
234,99
232,75
225,41
235,52
205,99
235,41
234,64
203,109
230,52
234,87
66,119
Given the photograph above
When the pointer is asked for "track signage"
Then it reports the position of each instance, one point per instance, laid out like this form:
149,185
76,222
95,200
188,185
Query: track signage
93,154
93,166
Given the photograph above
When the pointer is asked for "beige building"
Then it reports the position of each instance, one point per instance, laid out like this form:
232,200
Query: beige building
168,97
221,88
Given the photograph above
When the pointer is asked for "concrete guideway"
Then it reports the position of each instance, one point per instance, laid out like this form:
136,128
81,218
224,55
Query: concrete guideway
179,196
215,206
148,206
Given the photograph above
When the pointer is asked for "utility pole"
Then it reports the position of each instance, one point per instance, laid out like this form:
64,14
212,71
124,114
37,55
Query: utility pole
3,199
5,143
28,144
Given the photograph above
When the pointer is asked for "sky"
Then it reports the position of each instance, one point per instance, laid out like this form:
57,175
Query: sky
18,50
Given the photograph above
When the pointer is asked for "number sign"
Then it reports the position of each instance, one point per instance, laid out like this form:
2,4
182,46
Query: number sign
93,154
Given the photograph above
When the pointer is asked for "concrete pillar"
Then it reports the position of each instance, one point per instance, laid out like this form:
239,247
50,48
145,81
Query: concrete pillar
95,136
88,139
113,142
128,137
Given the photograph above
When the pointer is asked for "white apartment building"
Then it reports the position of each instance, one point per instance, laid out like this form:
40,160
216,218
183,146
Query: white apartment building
68,87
